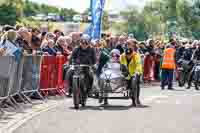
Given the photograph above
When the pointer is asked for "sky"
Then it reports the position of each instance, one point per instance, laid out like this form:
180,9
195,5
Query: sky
81,5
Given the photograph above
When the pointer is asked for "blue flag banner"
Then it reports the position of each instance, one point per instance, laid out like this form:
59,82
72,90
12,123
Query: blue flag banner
97,7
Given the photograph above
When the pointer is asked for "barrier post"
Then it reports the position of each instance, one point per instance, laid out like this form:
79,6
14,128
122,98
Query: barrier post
60,60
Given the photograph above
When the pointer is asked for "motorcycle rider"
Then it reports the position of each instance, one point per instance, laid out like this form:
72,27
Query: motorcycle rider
195,56
131,60
132,43
83,54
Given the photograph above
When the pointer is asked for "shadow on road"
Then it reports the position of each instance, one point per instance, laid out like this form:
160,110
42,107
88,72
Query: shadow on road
178,90
110,107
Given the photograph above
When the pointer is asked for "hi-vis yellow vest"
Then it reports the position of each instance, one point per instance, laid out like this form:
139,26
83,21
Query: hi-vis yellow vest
169,59
135,64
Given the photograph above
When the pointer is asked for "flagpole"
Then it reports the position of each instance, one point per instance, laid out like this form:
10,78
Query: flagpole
103,5
91,23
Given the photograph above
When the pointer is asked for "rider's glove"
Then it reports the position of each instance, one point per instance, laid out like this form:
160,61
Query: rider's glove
137,73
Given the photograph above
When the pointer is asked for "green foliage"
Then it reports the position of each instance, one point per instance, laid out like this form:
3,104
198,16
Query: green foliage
29,22
105,22
165,17
32,8
7,14
157,17
68,14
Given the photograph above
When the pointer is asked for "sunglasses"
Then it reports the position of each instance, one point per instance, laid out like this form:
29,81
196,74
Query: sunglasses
115,55
84,42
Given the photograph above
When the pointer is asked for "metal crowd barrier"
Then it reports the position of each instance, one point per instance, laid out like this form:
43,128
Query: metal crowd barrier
10,73
31,76
52,75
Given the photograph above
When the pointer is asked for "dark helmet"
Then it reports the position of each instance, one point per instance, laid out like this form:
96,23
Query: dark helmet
85,38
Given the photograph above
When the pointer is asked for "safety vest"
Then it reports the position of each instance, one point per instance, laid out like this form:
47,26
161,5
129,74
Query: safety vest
134,65
169,59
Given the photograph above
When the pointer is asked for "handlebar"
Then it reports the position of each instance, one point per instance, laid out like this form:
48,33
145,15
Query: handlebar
81,66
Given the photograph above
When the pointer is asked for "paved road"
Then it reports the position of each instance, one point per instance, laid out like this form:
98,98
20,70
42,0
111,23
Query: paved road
167,112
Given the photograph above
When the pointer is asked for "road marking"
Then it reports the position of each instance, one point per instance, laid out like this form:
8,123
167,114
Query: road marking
16,123
12,126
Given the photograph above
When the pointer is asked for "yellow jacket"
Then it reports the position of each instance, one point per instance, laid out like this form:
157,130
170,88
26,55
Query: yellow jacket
135,64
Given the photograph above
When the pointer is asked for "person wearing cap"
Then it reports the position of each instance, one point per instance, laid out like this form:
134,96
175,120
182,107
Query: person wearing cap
130,60
168,66
83,54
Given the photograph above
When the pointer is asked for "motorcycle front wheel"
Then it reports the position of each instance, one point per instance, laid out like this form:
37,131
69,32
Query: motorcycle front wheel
76,93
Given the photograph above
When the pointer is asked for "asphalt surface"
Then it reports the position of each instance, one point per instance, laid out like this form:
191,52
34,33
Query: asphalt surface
166,112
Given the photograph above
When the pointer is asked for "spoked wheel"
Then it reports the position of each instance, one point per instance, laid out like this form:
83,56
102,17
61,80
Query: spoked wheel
133,91
101,93
83,98
84,93
76,93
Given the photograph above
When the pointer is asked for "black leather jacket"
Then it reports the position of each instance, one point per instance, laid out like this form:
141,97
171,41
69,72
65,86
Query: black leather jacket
187,54
196,54
83,56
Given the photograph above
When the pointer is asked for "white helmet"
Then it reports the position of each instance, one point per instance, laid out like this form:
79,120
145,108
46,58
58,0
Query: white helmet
115,54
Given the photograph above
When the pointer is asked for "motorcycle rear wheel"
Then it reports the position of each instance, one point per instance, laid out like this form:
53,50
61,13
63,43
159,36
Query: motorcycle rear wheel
76,94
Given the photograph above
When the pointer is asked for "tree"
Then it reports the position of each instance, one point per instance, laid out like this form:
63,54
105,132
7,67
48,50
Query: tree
7,14
19,5
135,23
105,22
87,11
